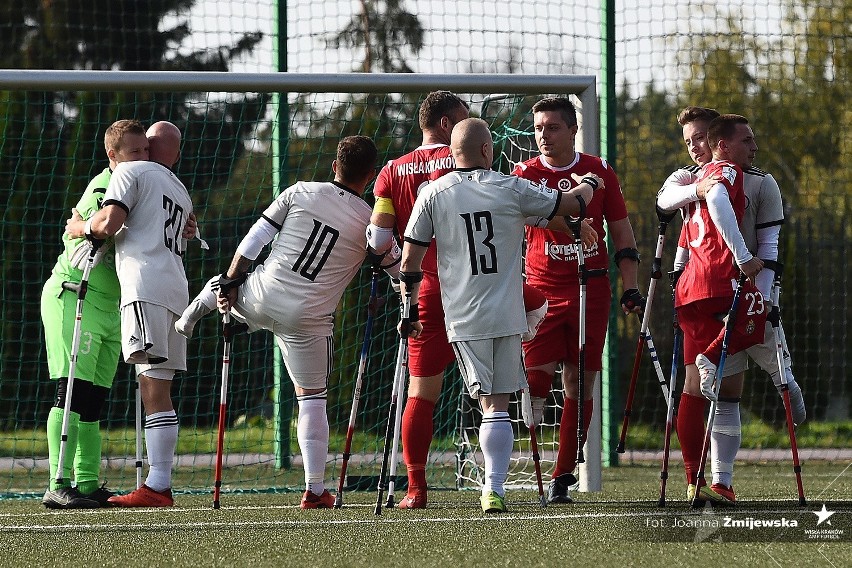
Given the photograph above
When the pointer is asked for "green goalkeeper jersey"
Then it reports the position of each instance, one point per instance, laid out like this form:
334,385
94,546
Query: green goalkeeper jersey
104,291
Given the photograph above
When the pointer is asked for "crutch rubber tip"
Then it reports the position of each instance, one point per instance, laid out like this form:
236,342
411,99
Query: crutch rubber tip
543,501
378,510
802,502
390,503
620,448
216,505
338,501
661,502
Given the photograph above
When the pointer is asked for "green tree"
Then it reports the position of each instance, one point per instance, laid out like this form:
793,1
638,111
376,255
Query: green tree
385,30
53,141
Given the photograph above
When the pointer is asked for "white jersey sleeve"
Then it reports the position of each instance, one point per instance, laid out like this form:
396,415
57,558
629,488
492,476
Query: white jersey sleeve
679,189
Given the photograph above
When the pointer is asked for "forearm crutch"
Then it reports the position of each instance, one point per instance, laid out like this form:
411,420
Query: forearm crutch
775,320
644,333
227,335
81,290
574,224
677,344
729,325
526,403
398,383
372,306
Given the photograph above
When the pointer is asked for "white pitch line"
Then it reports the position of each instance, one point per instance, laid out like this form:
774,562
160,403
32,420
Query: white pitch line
181,510
331,522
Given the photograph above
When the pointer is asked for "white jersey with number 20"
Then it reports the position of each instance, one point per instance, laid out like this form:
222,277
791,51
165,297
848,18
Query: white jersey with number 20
149,248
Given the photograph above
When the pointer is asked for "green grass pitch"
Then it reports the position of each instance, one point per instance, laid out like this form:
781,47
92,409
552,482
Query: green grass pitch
620,526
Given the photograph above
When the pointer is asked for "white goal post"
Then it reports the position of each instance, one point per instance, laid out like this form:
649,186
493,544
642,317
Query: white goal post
583,87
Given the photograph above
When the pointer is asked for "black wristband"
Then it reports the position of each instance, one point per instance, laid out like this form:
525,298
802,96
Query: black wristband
226,283
674,275
590,181
409,278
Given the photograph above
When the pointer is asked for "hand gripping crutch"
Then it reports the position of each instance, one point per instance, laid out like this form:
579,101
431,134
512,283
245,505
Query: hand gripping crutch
775,320
81,290
527,411
729,325
677,345
227,335
372,306
574,224
644,333
398,384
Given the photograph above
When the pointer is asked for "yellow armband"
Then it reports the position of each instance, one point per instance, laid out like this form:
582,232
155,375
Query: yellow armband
384,205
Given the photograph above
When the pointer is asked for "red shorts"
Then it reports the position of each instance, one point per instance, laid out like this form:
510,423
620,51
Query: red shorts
430,353
558,337
701,322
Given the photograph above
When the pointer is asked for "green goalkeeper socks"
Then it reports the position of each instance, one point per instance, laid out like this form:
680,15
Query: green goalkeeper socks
54,438
87,464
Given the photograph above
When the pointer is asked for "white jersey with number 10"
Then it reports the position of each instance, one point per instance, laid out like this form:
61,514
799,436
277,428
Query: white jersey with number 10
320,246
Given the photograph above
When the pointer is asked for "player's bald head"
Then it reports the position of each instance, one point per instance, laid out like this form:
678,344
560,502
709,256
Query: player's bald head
471,143
164,143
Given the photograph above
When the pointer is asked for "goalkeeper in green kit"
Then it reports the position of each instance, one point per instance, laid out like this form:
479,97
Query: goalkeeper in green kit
100,339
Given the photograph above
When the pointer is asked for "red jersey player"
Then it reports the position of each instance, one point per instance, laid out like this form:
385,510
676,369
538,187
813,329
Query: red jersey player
551,266
396,189
705,291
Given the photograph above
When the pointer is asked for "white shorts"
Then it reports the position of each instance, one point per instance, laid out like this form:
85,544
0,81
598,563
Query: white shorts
149,339
764,354
491,366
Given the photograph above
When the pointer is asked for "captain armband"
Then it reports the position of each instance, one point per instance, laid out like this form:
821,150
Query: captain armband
629,252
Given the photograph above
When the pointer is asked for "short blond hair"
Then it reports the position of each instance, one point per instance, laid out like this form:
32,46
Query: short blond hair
116,131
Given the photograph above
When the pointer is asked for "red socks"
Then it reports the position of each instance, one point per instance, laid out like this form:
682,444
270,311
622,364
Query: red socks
690,432
540,382
417,429
566,460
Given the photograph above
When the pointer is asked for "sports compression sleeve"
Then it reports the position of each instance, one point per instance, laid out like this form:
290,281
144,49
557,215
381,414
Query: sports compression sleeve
722,212
767,249
260,235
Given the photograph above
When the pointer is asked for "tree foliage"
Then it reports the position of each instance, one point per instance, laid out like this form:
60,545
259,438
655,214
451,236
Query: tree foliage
52,142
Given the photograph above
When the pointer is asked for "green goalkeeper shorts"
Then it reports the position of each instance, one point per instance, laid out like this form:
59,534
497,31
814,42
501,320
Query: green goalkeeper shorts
100,336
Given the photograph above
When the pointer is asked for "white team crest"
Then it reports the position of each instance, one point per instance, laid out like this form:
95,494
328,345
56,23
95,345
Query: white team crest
564,184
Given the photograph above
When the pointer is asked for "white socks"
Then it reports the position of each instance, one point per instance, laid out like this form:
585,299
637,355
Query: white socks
725,437
312,433
161,434
199,307
496,440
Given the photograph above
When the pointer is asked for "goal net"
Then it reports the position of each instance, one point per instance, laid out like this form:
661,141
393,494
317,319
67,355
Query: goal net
243,142
511,121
